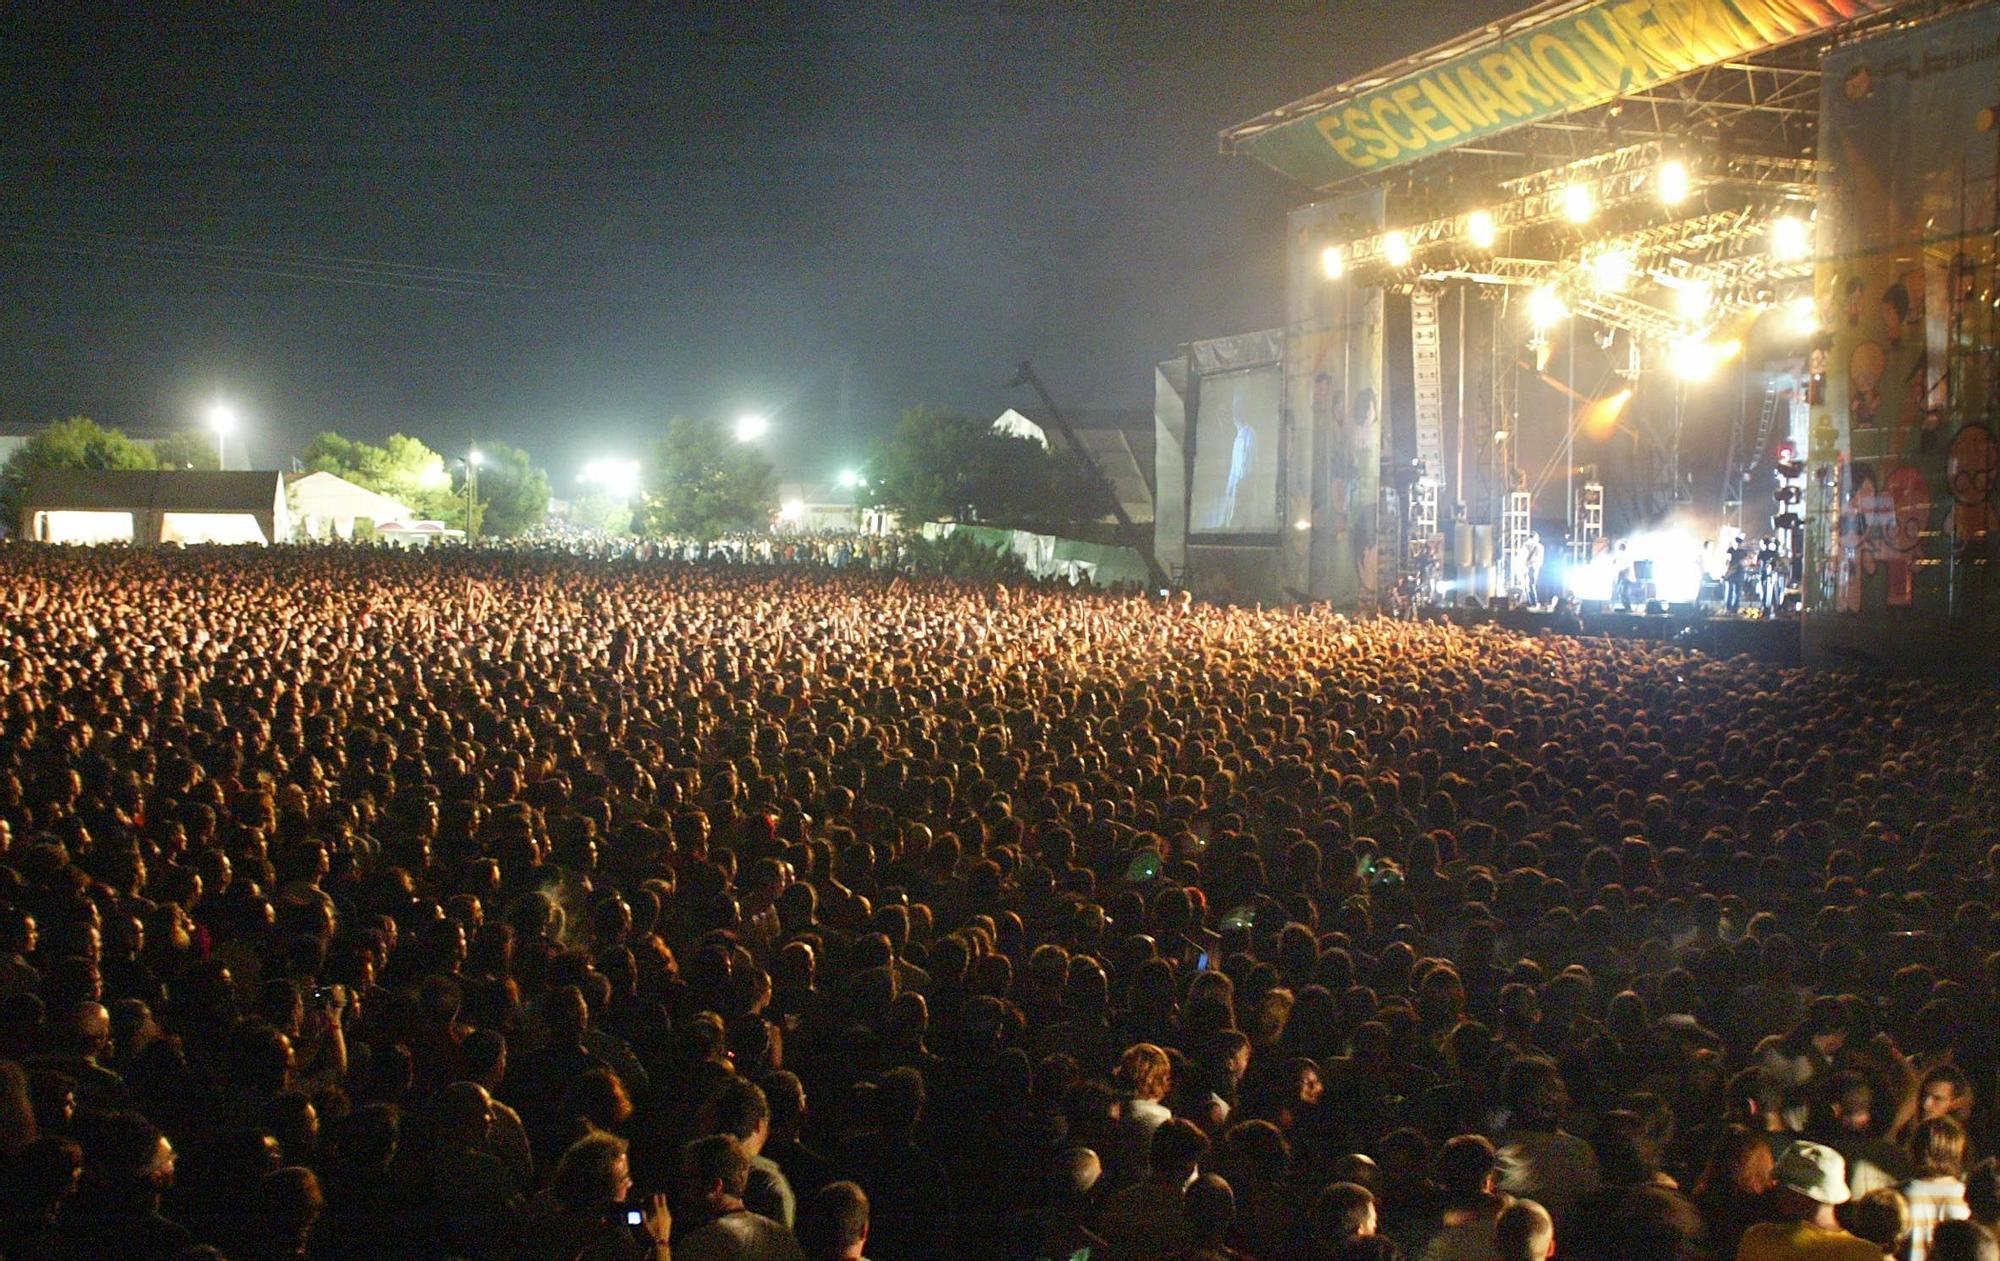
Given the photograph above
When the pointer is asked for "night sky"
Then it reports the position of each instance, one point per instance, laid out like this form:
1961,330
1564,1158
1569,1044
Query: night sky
599,216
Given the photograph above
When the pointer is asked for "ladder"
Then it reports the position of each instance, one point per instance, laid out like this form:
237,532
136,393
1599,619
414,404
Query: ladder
1516,523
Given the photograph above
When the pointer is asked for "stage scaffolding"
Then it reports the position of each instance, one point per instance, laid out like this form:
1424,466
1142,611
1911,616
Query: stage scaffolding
1741,133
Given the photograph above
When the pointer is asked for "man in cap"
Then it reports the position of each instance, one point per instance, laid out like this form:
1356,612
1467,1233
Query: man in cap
1811,1181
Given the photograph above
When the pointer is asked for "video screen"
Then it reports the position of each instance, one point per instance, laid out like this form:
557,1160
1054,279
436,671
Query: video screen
1235,487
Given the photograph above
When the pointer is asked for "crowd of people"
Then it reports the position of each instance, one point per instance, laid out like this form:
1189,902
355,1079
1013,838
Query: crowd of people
356,904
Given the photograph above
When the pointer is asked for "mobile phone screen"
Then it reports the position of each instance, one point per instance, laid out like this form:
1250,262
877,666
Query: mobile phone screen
633,1217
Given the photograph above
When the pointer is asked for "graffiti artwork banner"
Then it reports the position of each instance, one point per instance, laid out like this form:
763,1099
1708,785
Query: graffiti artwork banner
1591,54
1903,505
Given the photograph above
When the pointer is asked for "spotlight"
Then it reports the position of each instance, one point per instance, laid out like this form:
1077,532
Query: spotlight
1673,182
1546,307
1791,238
1611,271
1578,205
1396,248
752,427
1332,262
1692,299
1802,316
1695,359
1480,229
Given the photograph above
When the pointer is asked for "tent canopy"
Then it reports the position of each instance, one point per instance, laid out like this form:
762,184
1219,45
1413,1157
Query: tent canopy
151,496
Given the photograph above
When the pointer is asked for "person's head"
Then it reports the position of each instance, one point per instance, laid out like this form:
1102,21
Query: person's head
1524,1232
1209,1206
292,1204
714,1172
1740,1161
593,1174
1881,1217
741,1111
1178,1149
786,1095
1982,1191
1963,1241
1343,1211
464,1115
1466,1166
1146,1072
1811,1182
1938,1148
1944,1091
1851,1099
833,1223
899,1100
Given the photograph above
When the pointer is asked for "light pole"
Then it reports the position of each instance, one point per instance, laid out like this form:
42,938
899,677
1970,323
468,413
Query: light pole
472,462
222,419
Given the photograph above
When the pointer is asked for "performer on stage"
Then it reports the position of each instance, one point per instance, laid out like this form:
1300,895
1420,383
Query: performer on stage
1531,570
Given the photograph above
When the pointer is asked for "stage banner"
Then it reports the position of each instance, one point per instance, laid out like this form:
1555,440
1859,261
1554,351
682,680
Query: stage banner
1904,381
1333,405
1568,58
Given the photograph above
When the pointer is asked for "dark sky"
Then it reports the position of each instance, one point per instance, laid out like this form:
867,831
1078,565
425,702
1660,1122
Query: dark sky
638,211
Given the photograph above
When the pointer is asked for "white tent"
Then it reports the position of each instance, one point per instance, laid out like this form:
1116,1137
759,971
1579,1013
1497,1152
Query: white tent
326,505
146,507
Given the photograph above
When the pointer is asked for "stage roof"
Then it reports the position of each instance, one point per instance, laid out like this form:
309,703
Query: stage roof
152,490
1568,77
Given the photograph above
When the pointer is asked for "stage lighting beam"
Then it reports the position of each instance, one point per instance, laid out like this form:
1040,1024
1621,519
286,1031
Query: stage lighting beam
1396,249
1673,182
1481,230
1333,262
1578,205
1546,307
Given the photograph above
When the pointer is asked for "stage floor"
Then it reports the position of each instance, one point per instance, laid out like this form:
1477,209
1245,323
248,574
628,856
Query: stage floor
1776,640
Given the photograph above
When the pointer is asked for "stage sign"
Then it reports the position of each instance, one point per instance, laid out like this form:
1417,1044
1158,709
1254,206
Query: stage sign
1588,55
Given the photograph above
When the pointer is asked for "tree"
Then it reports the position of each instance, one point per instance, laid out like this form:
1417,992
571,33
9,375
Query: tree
701,482
187,448
76,443
402,468
936,466
602,510
513,493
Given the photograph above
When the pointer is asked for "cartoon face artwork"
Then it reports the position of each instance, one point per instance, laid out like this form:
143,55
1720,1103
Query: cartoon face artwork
1970,472
1858,538
1864,375
1909,509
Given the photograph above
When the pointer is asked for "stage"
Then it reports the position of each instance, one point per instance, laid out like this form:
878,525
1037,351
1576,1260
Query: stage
1773,640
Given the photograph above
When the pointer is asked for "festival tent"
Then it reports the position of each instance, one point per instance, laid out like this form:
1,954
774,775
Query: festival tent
148,507
326,505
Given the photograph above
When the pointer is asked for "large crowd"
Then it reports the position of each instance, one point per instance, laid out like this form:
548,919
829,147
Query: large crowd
503,905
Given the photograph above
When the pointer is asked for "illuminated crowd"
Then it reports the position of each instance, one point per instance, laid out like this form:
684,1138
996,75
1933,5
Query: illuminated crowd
520,904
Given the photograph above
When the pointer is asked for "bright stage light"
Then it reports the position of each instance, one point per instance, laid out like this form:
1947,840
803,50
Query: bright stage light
221,418
619,478
1611,271
1396,248
1578,204
1546,307
1481,230
1696,359
474,458
1333,262
1601,416
1302,525
1791,238
752,427
1692,299
850,478
792,511
1673,182
1802,317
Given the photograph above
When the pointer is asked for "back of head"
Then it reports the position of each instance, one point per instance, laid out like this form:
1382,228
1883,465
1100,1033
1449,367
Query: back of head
1524,1232
833,1221
1178,1148
739,1109
1209,1206
899,1100
1465,1166
586,1176
1343,1211
1938,1147
1963,1241
715,1162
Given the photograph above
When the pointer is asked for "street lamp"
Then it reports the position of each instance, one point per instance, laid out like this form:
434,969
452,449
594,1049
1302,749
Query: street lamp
752,427
222,419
